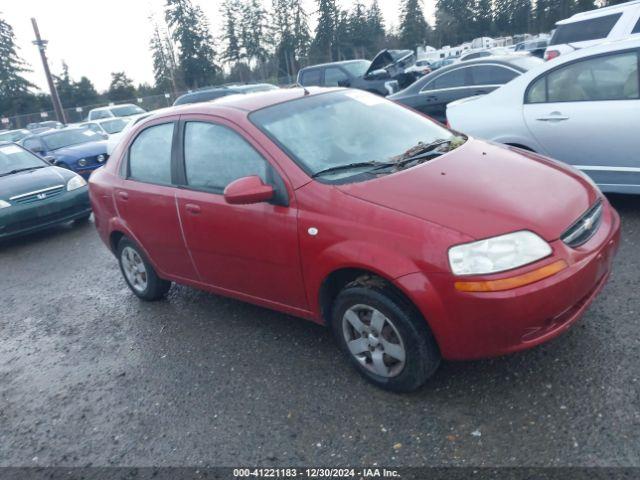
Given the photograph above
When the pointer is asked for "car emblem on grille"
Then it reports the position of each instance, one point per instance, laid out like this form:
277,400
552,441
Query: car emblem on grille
588,224
42,196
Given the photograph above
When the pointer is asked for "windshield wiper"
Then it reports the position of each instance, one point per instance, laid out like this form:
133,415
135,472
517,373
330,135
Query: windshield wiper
350,166
18,170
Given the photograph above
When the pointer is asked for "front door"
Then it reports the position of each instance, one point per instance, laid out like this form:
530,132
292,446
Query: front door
587,113
247,249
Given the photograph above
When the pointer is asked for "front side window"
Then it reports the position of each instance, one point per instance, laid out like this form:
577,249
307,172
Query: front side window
592,29
610,77
337,129
333,77
492,75
150,155
215,156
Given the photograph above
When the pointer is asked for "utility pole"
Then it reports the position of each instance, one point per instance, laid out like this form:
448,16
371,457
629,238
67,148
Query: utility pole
42,46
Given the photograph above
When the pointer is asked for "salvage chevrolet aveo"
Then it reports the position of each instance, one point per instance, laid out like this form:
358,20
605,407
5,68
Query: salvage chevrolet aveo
411,242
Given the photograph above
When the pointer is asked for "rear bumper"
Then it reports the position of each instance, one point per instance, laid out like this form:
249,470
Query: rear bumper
480,325
23,219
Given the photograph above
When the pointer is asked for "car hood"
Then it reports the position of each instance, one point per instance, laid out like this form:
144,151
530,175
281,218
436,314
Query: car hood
25,182
83,149
386,59
482,190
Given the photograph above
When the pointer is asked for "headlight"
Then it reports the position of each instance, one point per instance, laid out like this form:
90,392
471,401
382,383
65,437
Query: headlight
75,183
82,162
498,254
4,204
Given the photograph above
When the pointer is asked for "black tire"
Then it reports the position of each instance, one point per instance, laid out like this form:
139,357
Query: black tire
156,288
422,355
82,220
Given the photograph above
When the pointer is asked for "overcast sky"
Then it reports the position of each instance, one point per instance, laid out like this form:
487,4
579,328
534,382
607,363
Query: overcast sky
97,37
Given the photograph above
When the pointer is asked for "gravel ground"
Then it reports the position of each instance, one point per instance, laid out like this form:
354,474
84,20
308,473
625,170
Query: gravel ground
89,375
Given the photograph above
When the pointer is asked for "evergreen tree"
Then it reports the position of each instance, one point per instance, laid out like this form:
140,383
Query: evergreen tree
121,88
190,30
14,88
231,10
85,93
375,28
253,31
322,47
414,29
163,60
358,32
290,35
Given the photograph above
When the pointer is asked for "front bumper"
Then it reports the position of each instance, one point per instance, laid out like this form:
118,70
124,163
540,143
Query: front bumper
23,219
479,325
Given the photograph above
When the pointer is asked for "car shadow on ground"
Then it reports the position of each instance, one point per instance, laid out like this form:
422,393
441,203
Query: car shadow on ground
45,235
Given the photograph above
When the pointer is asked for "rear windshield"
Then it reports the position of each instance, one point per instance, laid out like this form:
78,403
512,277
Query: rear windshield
592,29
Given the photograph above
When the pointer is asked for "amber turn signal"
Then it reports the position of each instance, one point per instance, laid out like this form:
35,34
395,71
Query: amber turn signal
513,282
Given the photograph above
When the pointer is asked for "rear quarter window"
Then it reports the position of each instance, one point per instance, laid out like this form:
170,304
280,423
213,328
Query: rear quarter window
592,29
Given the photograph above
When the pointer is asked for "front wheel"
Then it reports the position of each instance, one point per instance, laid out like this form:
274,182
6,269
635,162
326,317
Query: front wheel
387,340
138,272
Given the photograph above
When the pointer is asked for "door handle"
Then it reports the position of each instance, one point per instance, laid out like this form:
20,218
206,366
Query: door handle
192,209
553,117
123,195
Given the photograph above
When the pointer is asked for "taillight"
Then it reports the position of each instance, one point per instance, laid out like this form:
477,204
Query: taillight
551,54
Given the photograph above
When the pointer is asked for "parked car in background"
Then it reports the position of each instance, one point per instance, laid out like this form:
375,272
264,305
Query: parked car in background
77,149
14,135
590,28
114,139
115,111
421,67
533,47
107,126
409,241
35,195
212,93
489,52
583,109
432,93
384,75
438,64
39,127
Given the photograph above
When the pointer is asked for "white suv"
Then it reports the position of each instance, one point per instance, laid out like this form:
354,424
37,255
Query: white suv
587,29
115,111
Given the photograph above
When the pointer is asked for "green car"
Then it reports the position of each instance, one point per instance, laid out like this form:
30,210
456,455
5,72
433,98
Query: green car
36,195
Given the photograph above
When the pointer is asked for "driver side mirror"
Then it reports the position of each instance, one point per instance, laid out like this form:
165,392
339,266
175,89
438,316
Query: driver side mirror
248,190
50,159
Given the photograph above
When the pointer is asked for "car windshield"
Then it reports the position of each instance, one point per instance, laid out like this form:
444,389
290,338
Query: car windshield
67,138
126,110
339,129
357,69
114,126
15,158
14,135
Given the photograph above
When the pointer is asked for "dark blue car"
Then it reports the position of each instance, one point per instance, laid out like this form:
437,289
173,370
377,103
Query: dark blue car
78,149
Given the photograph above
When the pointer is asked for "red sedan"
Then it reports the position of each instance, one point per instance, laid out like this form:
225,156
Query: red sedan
411,242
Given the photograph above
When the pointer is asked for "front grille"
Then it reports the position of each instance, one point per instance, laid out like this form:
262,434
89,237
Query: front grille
38,195
584,228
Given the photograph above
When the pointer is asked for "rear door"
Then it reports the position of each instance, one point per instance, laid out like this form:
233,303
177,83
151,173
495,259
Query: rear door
146,200
587,112
247,249
445,88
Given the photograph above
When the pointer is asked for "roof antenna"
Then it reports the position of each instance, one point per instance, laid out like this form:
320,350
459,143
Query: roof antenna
306,92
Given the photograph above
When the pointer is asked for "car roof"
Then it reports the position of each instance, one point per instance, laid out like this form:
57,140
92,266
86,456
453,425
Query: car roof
246,103
328,64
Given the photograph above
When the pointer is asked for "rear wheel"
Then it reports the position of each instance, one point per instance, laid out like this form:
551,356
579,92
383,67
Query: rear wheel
387,340
138,272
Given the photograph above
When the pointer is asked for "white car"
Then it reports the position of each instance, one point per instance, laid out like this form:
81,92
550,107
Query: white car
107,126
590,28
114,111
115,138
582,109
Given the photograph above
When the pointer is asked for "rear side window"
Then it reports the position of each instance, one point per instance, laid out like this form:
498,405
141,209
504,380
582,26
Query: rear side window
215,156
150,155
452,79
592,29
609,77
492,75
636,29
310,78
